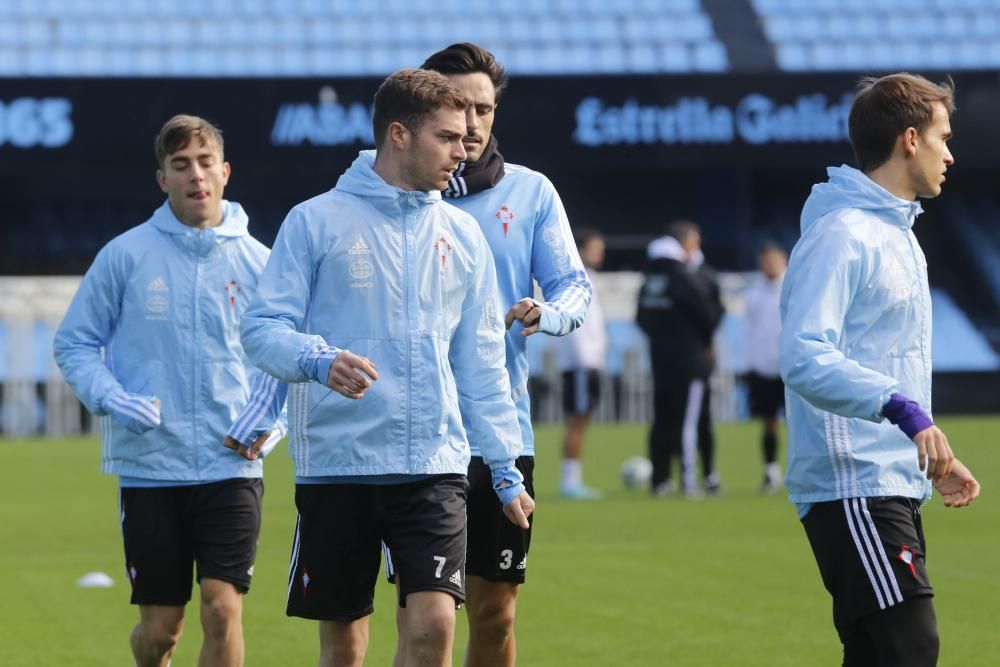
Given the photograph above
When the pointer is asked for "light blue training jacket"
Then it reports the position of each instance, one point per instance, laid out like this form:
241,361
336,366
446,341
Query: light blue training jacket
528,232
855,328
526,226
408,282
163,302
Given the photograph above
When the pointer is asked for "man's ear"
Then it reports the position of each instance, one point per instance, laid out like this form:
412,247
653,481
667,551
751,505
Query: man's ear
910,139
161,179
398,135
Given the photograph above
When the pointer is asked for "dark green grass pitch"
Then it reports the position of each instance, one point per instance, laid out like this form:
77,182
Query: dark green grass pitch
628,580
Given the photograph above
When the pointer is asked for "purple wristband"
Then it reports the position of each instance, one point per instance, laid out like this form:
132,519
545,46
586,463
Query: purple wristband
906,414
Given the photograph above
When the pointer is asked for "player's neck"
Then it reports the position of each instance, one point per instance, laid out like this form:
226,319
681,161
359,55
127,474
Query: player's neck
894,179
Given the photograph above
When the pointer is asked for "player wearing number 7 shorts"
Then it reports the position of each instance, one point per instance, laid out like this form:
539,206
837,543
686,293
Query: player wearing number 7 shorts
379,304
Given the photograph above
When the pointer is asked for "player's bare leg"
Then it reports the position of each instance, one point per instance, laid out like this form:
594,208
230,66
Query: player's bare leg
572,485
155,637
222,623
343,644
576,426
429,629
399,660
491,607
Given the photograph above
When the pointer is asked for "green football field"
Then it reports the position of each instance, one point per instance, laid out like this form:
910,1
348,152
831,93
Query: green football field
628,580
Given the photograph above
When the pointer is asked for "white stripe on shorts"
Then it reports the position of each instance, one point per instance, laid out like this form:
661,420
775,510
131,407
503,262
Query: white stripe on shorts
390,569
871,552
881,551
295,554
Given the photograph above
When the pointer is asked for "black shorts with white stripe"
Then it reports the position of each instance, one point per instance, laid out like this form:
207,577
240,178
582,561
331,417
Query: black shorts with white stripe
871,554
340,532
581,391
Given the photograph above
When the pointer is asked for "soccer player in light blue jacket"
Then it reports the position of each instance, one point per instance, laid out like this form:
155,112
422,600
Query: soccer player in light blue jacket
151,343
522,217
379,303
855,355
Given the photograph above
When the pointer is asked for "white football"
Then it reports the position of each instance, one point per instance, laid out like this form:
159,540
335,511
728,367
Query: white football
636,472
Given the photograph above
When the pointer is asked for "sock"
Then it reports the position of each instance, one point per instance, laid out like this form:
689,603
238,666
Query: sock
572,473
773,473
770,447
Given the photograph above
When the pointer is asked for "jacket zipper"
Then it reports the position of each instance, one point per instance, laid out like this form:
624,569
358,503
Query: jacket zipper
409,337
196,374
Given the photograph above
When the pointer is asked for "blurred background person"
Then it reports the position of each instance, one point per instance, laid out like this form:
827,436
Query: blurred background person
678,312
582,360
707,280
762,324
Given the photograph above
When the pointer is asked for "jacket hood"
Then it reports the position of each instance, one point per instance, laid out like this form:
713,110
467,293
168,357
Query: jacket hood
234,221
848,187
361,180
667,247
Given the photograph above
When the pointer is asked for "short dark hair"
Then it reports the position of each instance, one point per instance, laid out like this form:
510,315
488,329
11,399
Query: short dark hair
584,236
884,107
681,229
177,133
772,246
466,58
409,96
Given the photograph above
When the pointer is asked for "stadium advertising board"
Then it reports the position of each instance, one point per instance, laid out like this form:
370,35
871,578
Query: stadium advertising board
607,142
576,120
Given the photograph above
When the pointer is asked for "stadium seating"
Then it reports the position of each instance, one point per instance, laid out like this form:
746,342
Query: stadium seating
974,219
879,35
338,37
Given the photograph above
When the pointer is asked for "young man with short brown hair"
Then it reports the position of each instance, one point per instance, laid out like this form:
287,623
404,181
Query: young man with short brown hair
855,355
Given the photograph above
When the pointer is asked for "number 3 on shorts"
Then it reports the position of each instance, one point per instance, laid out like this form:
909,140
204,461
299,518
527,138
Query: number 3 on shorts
440,561
506,558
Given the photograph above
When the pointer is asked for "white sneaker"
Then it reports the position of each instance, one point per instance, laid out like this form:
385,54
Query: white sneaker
663,489
580,492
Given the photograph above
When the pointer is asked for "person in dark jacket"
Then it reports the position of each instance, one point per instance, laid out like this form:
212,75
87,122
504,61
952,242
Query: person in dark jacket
679,309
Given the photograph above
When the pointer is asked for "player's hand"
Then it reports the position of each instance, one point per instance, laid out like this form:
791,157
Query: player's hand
527,312
519,510
136,412
350,375
935,455
959,487
251,453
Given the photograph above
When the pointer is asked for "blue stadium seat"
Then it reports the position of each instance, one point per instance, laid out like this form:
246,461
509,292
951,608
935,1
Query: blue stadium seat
779,28
675,58
954,25
642,58
825,56
808,27
10,61
986,24
696,27
578,59
608,58
36,61
710,57
767,7
792,56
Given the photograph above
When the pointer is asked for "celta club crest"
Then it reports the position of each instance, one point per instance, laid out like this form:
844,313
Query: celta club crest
232,289
443,249
505,215
906,555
